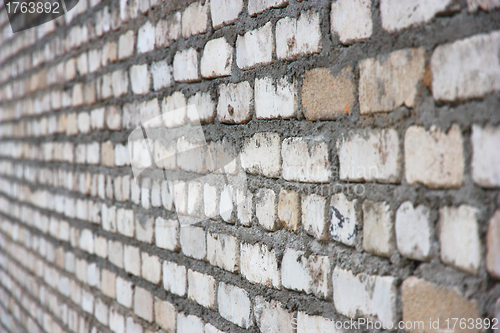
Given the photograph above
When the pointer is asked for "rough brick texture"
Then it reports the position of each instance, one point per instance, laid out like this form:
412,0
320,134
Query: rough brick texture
216,166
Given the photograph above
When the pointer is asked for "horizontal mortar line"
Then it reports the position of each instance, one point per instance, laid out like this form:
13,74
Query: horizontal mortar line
25,311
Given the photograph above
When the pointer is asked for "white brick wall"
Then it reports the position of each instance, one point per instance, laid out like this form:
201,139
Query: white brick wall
161,72
201,288
459,237
143,304
225,11
305,160
195,19
259,265
414,231
132,260
372,155
378,228
165,315
217,59
308,274
167,234
223,251
261,155
266,209
186,66
314,324
258,6
351,20
234,305
275,99
189,324
150,268
146,38
235,103
255,47
298,37
174,278
485,165
126,44
314,216
193,242
467,68
272,316
344,219
288,209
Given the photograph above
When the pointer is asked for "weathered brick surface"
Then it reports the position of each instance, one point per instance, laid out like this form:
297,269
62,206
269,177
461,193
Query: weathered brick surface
351,20
485,166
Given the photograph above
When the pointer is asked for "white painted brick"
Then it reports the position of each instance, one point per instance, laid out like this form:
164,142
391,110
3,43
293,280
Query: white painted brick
308,274
83,122
113,118
146,193
150,114
164,154
255,48
485,163
193,242
151,268
146,38
259,264
110,52
132,260
144,228
133,327
314,324
261,155
101,246
351,20
162,75
189,324
93,275
167,234
305,160
174,110
234,305
125,221
212,329
459,238
371,155
81,270
217,59
235,103
186,66
124,292
272,316
101,312
275,99
126,44
414,231
225,11
93,153
314,220
122,158
201,108
245,207
87,241
140,79
115,253
400,14
108,283
120,83
195,19
165,315
434,158
344,220
298,37
201,289
195,199
87,301
223,251
365,295
191,155
258,6
143,304
116,321
174,278
108,215
390,80
378,228
167,31
211,201
266,209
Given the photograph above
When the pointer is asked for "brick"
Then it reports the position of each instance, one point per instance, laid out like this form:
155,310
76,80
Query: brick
234,305
110,53
87,241
101,312
259,264
195,19
140,79
174,278
146,38
390,80
126,44
310,274
398,15
195,199
186,66
107,154
235,103
143,304
174,110
313,324
201,289
116,321
344,220
457,67
193,242
93,275
493,246
459,238
202,108
189,324
378,228
132,327
167,31
167,234
162,75
108,215
485,165
434,158
108,283
225,12
266,209
113,118
326,96
217,59
351,20
165,315
120,83
144,227
87,301
150,268
132,260
212,329
275,100
244,207
305,160
81,270
365,295
83,122
414,231
370,155
486,5
150,114
314,212
288,209
298,37
93,153
421,300
272,316
164,154
125,222
258,6
261,155
223,251
255,48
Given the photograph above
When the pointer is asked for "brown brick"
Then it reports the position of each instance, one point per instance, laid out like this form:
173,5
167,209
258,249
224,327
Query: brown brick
421,301
325,96
493,246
